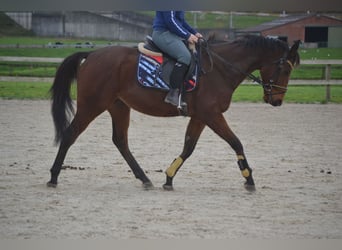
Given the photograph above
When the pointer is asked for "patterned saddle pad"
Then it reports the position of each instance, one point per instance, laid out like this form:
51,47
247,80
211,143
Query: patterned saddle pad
154,72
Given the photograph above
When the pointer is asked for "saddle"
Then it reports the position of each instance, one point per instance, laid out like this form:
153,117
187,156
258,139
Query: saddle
150,48
155,67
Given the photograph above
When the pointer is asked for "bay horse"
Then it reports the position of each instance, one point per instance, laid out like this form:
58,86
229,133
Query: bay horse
107,81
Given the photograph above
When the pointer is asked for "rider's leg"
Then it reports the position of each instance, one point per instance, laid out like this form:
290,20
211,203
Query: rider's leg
176,81
175,47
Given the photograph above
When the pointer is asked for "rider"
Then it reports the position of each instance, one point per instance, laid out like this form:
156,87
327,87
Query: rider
169,31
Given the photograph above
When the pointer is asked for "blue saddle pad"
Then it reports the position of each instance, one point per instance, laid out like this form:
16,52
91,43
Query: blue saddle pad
154,72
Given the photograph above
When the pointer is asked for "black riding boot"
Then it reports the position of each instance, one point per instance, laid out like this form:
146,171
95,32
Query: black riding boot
176,80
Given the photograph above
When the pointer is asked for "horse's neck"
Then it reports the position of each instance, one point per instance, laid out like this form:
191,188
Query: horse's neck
246,60
249,59
243,62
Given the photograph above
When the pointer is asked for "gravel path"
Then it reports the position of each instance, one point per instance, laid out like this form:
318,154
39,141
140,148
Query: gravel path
295,151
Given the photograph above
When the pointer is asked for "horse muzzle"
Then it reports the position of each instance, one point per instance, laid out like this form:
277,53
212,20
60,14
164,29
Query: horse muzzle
271,100
276,103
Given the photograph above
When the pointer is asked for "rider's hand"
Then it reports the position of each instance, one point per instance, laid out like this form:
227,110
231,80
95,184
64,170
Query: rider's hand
199,35
192,39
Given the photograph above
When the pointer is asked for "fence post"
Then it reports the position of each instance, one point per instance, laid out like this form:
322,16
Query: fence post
327,79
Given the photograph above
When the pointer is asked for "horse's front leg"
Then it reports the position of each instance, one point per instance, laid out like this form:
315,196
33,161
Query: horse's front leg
194,130
219,125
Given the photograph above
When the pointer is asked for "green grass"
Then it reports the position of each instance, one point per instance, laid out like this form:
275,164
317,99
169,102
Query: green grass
313,72
305,54
29,40
244,93
316,72
24,90
28,90
40,52
320,53
48,70
28,69
313,94
295,94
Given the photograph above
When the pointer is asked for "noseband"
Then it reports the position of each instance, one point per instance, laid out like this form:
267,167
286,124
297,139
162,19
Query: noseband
266,86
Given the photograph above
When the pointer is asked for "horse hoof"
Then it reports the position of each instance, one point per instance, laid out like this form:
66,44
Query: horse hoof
50,184
249,187
168,187
148,185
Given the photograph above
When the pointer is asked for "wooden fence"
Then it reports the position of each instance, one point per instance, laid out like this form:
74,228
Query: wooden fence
327,81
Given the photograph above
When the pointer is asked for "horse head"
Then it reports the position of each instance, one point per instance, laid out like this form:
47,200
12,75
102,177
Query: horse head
276,75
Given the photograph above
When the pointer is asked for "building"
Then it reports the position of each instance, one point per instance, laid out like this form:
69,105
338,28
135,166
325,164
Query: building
115,25
314,30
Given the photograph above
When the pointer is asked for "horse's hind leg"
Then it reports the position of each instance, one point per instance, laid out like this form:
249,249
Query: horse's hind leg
120,113
77,126
194,130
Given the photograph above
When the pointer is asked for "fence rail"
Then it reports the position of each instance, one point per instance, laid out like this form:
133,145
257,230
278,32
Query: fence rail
327,81
30,59
58,59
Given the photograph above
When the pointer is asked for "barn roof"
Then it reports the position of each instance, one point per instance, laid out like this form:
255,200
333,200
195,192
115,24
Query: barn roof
283,21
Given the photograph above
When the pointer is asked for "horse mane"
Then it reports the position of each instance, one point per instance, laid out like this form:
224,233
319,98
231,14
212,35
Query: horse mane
254,41
251,41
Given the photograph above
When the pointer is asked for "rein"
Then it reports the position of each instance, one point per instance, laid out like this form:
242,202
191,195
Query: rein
266,86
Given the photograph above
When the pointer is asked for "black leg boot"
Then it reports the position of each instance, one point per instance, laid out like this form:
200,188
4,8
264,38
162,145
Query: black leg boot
176,81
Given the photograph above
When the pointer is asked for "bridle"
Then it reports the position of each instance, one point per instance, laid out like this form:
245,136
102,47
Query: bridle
272,83
268,87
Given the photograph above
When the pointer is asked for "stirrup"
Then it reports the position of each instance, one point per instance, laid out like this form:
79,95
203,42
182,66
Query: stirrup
181,103
182,106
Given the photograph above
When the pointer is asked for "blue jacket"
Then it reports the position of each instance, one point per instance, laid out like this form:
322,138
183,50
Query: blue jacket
174,22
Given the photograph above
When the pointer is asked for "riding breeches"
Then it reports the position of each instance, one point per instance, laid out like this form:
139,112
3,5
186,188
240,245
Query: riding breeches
172,45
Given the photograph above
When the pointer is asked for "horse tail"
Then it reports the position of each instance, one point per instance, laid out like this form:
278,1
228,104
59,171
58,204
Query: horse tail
62,104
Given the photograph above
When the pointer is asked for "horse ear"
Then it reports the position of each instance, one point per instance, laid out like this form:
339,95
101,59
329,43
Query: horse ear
293,54
294,48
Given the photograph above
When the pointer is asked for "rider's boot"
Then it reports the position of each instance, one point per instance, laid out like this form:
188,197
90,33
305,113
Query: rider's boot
176,80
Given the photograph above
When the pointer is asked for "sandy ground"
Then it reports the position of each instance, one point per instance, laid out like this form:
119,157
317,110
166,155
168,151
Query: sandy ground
295,151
